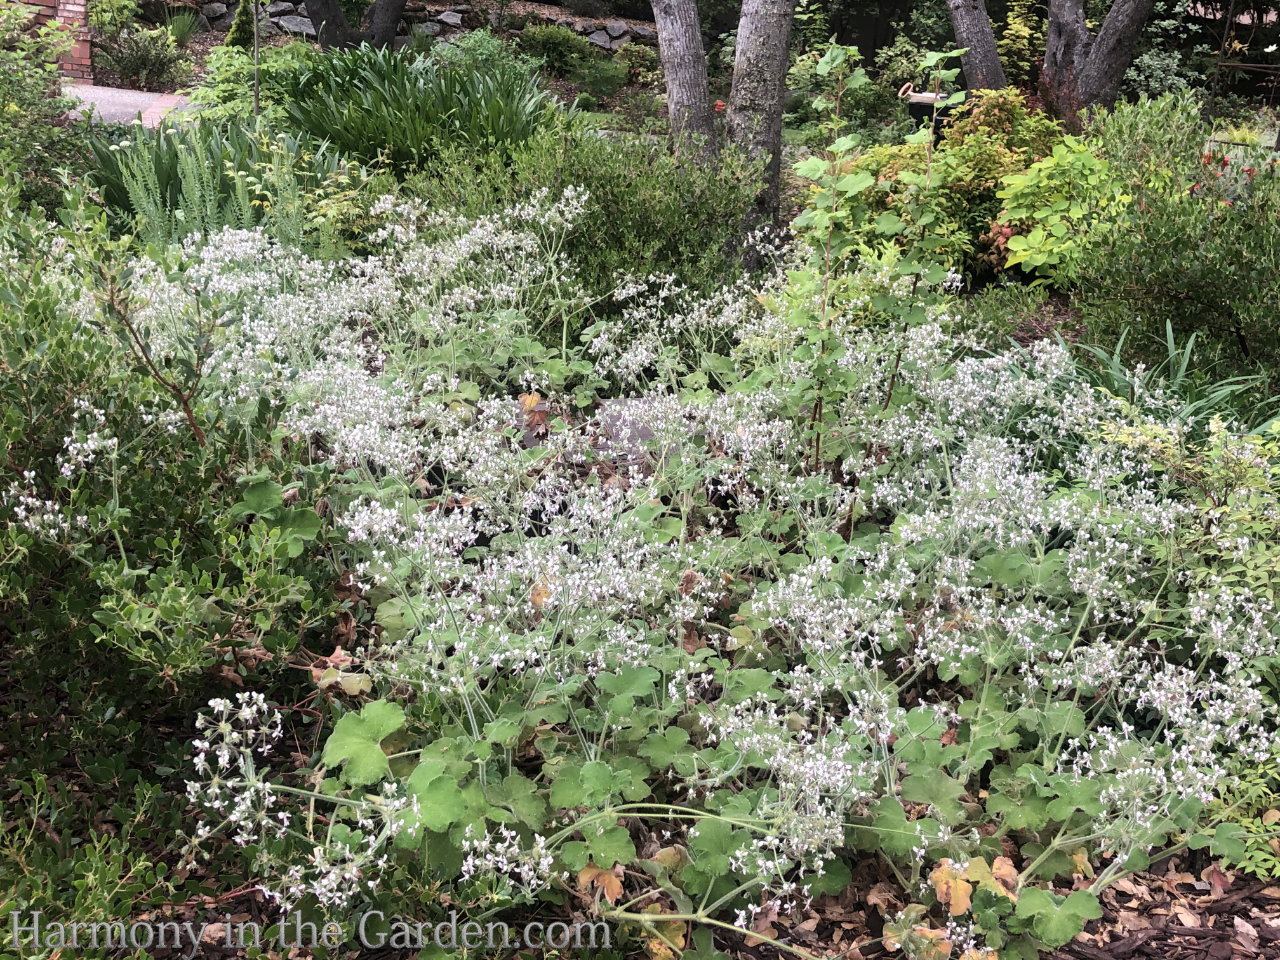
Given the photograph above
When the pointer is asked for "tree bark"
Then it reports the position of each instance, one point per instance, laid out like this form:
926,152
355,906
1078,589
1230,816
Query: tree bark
1081,70
1113,49
980,61
759,86
684,66
333,30
384,17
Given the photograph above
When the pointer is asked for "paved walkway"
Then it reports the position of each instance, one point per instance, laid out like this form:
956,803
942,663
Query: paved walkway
124,106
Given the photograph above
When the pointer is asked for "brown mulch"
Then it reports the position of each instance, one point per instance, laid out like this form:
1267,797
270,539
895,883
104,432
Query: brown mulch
1055,318
1215,915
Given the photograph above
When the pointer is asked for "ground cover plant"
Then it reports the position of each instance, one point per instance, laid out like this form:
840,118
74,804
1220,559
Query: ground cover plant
430,512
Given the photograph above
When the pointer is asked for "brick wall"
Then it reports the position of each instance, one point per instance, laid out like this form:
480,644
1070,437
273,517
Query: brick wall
75,65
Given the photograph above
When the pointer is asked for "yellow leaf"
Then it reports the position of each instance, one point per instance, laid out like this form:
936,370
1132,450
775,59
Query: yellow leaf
1080,865
540,594
951,887
1004,871
936,946
667,939
984,877
605,881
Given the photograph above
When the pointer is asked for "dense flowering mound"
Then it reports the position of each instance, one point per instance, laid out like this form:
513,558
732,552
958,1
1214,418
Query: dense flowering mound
655,626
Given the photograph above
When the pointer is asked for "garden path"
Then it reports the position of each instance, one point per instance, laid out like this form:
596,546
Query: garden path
115,105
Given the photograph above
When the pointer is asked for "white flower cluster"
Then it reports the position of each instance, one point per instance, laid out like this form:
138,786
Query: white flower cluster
232,788
501,853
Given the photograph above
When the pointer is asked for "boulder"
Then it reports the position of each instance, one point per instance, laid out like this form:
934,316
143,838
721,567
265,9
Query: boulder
222,24
425,29
645,34
566,22
399,43
451,18
600,39
267,30
580,27
619,43
615,28
280,8
214,11
300,26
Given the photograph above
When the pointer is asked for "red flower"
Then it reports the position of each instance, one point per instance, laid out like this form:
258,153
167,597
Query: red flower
718,106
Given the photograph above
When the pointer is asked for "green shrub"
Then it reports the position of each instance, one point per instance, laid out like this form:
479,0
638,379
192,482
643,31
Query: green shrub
560,49
1147,227
871,108
1197,245
35,140
646,212
241,32
600,78
483,51
109,17
144,59
955,185
378,105
226,90
642,63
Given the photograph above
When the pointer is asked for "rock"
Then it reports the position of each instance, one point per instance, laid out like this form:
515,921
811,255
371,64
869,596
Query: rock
222,24
600,39
302,10
566,22
615,28
297,25
582,28
619,43
451,17
646,34
267,29
460,8
425,30
214,10
280,8
202,23
399,43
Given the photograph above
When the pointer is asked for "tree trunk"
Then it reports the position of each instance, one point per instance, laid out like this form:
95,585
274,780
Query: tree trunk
384,18
1066,53
1081,70
334,31
684,66
759,86
981,62
1113,50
